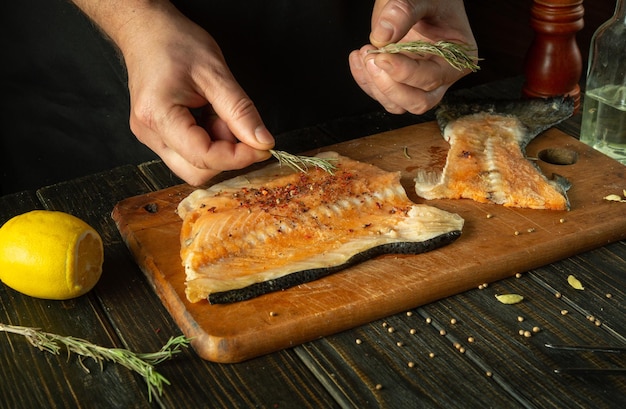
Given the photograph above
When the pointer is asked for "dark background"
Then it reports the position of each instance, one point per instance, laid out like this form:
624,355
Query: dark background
65,110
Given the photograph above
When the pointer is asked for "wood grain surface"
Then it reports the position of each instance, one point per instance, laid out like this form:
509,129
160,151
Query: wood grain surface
489,250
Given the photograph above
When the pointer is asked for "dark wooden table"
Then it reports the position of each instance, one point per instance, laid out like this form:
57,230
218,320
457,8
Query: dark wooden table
481,360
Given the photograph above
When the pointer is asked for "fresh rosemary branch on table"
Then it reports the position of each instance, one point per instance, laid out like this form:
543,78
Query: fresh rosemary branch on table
454,53
142,363
302,163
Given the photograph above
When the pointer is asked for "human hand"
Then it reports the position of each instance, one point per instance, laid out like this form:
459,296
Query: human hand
408,82
174,65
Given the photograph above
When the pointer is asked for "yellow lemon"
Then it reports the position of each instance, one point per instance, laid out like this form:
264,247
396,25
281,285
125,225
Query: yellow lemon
49,254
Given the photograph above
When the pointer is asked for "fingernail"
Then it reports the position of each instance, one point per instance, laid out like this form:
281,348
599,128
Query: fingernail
264,136
383,64
384,32
372,67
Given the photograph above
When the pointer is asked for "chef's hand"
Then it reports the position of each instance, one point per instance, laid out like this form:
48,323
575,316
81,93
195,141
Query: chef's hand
174,65
403,82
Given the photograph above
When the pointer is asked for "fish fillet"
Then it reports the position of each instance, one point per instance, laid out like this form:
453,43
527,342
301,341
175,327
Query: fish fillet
486,160
275,228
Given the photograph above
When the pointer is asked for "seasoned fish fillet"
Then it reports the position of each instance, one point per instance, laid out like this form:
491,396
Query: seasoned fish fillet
275,228
486,161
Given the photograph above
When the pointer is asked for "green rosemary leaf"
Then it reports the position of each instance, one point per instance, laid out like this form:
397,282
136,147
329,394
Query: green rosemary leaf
455,54
142,363
302,163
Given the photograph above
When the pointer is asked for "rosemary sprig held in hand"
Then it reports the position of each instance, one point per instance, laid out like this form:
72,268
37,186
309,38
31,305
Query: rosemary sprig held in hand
455,54
142,363
301,163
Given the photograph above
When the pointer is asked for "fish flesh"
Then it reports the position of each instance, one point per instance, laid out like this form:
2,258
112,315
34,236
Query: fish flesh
276,227
486,161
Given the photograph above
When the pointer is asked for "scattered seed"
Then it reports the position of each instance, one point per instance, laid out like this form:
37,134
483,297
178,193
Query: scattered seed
273,313
561,220
412,331
411,364
489,215
378,386
390,329
462,350
557,295
518,275
429,320
457,345
536,329
517,233
509,298
470,339
528,334
481,286
521,332
531,230
591,318
409,313
564,312
453,321
399,343
385,325
489,374
598,323
520,319
575,283
358,341
609,295
442,332
431,355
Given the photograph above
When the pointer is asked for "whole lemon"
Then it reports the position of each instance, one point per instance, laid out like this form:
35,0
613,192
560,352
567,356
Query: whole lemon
50,254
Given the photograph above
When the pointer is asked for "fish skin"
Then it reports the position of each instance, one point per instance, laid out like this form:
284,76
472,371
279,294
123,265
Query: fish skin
535,114
305,276
487,148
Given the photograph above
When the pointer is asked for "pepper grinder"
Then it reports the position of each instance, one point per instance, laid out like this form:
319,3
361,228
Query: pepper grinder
604,109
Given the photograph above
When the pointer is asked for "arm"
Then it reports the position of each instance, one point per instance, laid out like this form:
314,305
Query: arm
401,82
174,65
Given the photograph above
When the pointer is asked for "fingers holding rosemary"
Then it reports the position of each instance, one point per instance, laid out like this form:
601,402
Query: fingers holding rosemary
403,82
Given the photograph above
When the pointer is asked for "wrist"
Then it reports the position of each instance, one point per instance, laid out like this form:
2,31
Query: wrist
123,20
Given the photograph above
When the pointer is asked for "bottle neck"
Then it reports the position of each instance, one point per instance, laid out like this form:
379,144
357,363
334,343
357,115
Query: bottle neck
620,11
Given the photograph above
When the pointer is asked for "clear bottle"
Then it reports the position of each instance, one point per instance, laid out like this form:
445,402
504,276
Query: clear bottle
604,108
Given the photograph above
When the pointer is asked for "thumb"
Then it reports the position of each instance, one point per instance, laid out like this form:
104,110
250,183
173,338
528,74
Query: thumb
392,19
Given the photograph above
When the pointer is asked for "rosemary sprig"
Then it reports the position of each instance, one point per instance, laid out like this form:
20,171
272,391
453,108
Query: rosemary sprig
455,54
301,163
142,363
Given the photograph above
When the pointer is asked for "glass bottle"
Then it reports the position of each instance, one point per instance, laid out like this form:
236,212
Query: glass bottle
604,109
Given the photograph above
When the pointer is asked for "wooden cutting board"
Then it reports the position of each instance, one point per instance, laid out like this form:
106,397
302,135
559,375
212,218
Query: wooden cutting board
497,242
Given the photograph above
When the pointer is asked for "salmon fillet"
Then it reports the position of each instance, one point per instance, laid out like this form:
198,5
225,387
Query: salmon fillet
486,161
275,228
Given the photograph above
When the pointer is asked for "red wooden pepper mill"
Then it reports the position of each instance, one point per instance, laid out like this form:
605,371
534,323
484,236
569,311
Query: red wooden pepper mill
553,62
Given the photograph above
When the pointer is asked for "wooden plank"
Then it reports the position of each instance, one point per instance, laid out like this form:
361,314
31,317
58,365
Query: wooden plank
387,364
521,368
488,250
524,362
34,378
142,323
